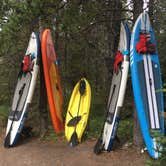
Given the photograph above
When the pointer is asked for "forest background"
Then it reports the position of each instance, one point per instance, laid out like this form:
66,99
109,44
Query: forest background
85,34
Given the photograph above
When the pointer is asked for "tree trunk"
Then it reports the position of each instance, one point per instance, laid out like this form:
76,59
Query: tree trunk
137,9
151,11
113,25
43,96
137,136
113,29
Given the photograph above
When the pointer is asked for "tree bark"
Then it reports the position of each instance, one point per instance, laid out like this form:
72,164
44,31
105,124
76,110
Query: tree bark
43,95
137,136
151,11
113,25
137,9
113,29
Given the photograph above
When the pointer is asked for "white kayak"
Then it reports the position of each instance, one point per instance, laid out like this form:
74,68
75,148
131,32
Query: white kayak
24,91
117,92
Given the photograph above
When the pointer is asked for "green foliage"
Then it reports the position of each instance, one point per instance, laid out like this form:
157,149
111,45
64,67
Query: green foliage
161,140
160,30
4,111
125,130
162,160
97,115
50,135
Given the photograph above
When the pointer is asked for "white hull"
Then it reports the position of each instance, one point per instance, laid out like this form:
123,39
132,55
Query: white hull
108,133
110,129
15,127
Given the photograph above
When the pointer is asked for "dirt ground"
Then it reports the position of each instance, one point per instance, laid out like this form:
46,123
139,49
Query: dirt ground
34,152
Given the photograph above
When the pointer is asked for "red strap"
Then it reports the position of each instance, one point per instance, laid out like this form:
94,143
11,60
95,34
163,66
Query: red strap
141,45
151,48
118,60
26,63
144,44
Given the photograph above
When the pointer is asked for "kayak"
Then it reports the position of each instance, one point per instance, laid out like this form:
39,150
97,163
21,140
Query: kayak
78,112
52,81
24,91
117,93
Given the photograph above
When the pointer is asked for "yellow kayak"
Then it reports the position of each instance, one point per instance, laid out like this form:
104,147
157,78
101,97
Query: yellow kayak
78,112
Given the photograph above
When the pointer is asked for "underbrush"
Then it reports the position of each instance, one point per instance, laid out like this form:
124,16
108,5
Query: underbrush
4,111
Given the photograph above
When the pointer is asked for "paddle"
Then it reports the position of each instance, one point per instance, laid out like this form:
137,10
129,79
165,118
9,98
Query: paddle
74,121
7,139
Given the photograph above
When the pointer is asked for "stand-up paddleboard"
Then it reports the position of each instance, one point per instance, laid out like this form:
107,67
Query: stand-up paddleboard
146,81
24,91
78,112
52,80
117,92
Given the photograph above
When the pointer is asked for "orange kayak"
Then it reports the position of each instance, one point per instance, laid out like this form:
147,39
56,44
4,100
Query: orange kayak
52,80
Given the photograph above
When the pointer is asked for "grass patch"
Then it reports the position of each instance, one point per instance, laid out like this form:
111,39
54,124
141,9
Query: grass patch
125,130
125,127
4,112
97,114
95,127
51,135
